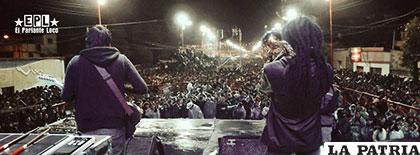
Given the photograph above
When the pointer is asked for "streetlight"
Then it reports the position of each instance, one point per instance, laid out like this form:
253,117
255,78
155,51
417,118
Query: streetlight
277,26
331,32
182,19
291,14
207,36
6,36
207,32
257,46
237,47
204,30
100,2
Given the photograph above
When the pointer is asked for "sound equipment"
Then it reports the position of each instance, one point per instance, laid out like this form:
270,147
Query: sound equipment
30,143
73,145
203,136
60,144
63,126
14,141
145,145
243,145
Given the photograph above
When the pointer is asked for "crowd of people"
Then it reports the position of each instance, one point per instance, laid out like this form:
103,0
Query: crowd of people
190,59
30,108
364,118
226,93
389,86
206,91
232,93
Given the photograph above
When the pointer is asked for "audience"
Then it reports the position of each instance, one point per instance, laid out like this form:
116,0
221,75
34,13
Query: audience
363,118
30,108
219,93
193,86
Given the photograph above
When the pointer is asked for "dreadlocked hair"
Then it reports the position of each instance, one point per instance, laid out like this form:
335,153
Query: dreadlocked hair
308,75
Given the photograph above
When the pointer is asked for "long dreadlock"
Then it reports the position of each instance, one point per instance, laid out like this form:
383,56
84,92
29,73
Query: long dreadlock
308,77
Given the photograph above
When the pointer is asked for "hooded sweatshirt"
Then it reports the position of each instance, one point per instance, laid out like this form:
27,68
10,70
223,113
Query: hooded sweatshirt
291,126
95,104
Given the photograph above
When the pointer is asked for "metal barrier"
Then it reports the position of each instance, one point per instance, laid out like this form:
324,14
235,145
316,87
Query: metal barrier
376,96
29,107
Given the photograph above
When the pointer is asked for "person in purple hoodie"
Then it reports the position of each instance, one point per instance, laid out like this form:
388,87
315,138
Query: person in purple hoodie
296,78
329,105
98,111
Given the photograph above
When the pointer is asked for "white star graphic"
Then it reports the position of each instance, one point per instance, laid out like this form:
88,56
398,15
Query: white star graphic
18,22
54,22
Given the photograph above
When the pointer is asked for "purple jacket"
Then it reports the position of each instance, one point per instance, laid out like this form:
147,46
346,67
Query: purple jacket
329,104
291,126
95,104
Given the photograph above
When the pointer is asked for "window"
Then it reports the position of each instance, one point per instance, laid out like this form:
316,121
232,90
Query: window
376,70
6,54
359,69
50,40
8,91
340,65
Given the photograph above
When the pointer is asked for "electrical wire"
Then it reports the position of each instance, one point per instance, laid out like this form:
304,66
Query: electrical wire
113,24
392,19
68,40
351,5
374,25
367,28
65,4
65,11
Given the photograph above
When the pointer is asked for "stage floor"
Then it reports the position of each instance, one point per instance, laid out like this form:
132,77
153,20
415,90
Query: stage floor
196,136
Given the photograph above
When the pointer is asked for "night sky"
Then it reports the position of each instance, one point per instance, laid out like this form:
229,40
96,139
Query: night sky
249,15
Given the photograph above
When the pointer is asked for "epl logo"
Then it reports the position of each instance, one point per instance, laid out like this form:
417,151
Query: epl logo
36,24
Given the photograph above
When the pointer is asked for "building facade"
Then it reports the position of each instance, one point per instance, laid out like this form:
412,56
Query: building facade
27,47
20,74
368,59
